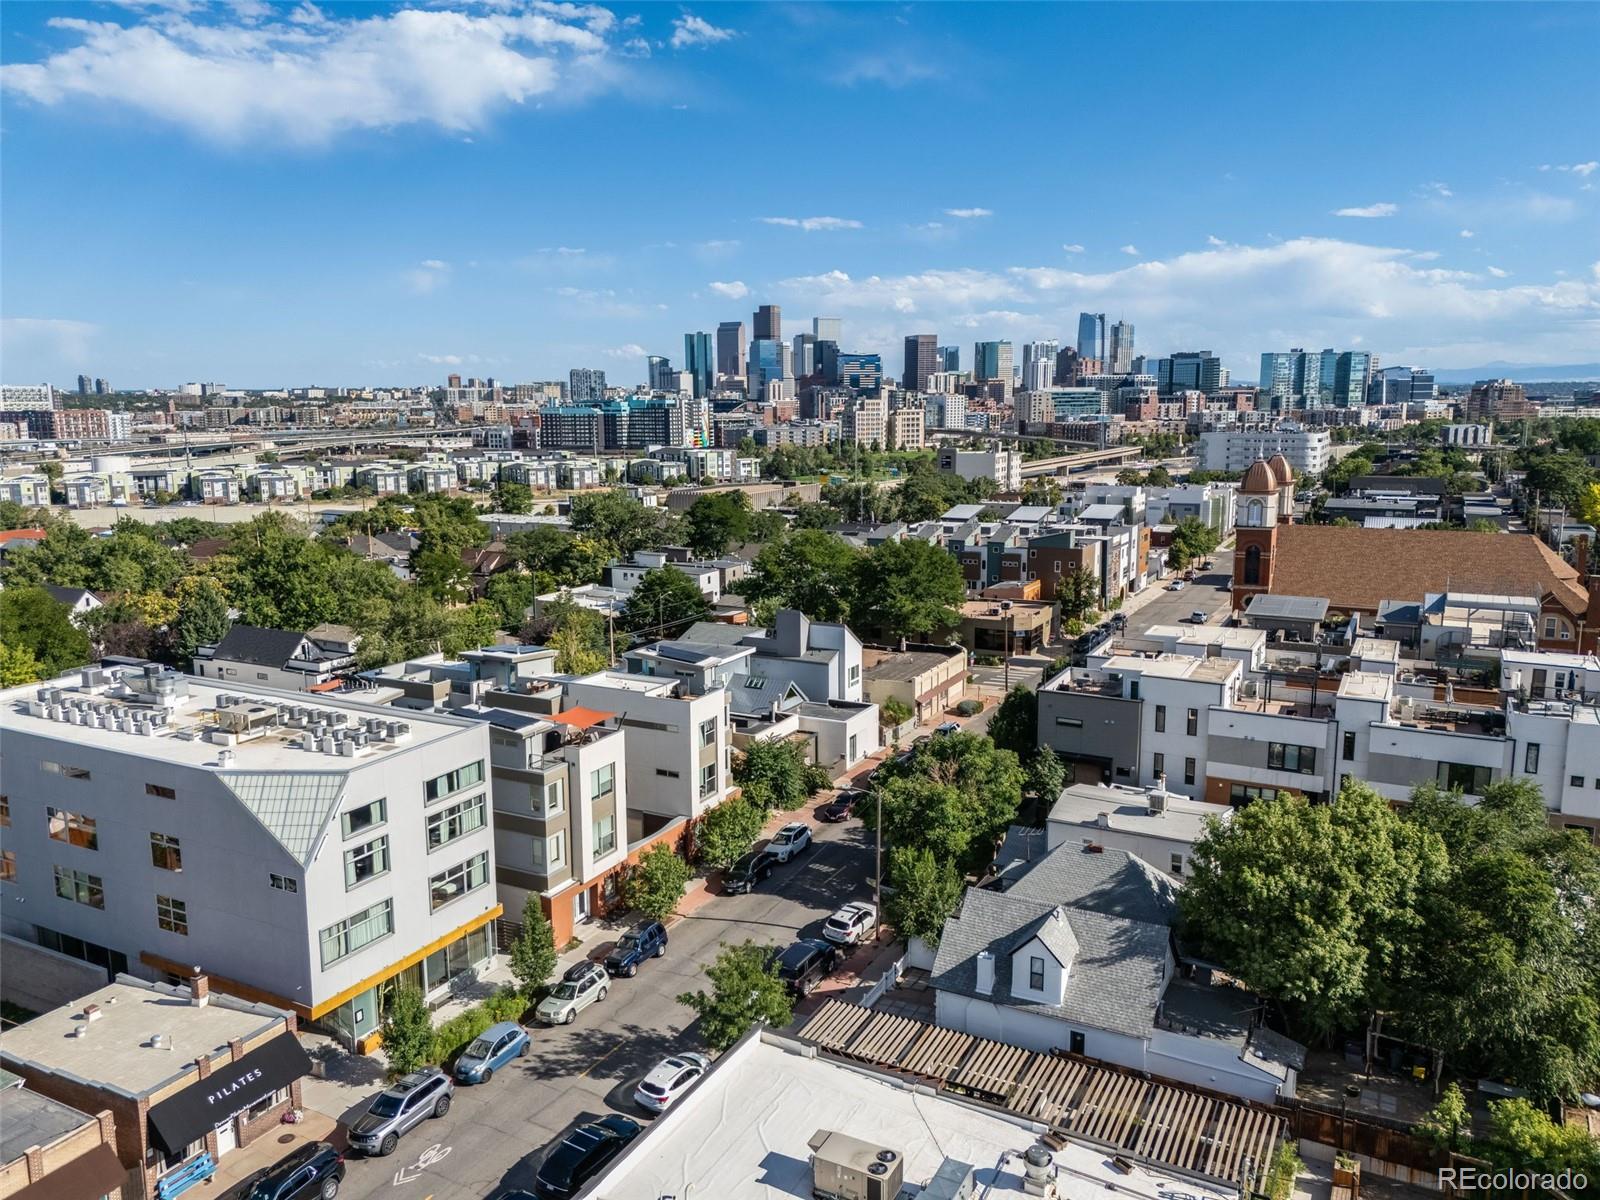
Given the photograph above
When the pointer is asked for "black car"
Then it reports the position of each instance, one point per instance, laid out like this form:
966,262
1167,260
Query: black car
311,1171
807,963
842,807
583,1154
750,870
647,939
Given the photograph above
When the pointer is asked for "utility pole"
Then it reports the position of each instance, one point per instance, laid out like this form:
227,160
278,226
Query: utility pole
877,868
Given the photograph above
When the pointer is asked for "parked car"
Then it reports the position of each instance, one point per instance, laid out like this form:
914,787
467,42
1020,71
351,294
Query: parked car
669,1079
400,1108
1197,617
491,1050
314,1170
842,807
584,985
851,925
582,1155
947,728
807,963
1175,586
790,841
749,870
647,939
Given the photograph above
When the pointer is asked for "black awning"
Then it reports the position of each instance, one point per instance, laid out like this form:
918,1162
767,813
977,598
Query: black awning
233,1087
86,1177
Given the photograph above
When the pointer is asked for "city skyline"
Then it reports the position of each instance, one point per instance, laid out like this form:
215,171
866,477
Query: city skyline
431,219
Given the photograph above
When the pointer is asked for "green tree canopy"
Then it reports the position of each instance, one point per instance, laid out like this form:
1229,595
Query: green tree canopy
772,774
810,570
512,497
727,831
910,589
745,991
621,522
955,797
202,618
1192,539
36,625
717,520
1015,723
407,1031
655,884
926,890
533,954
664,604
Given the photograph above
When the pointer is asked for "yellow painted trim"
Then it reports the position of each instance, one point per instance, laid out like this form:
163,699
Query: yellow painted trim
410,960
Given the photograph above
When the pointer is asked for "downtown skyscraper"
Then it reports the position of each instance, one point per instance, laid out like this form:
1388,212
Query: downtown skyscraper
921,361
1092,335
730,350
698,361
767,324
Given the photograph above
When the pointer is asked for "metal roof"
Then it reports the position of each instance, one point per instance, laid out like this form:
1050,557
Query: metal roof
1294,608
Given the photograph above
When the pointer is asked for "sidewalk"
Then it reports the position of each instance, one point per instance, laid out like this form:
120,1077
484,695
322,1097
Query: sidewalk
268,1149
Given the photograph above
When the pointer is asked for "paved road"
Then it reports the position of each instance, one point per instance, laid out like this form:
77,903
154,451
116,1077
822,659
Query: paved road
496,1134
1207,593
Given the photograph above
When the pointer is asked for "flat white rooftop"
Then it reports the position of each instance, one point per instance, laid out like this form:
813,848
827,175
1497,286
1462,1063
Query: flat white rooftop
118,1047
743,1134
1237,637
1127,810
184,726
1366,685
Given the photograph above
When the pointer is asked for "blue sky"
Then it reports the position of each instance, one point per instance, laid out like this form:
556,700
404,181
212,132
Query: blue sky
272,195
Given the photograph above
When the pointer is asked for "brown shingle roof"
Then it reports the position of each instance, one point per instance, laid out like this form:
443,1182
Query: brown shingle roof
1358,568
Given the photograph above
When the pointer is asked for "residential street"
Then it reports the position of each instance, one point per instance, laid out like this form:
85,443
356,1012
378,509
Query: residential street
496,1134
1207,593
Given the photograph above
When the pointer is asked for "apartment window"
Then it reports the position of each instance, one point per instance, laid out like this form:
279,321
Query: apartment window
708,732
448,824
165,852
368,816
356,931
1188,771
1035,973
1175,864
1284,757
554,850
366,861
1350,746
454,781
155,789
605,835
602,781
1575,780
708,779
1530,759
66,772
1161,718
666,774
854,676
81,887
1240,794
282,883
1466,778
73,829
5,812
172,915
8,866
1069,722
1192,726
460,879
1158,763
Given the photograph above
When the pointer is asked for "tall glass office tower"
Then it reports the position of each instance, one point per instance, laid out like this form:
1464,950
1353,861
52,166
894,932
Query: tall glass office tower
698,361
1091,335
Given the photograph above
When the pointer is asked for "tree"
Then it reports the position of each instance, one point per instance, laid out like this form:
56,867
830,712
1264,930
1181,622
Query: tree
656,883
18,666
512,593
1522,1137
619,520
512,497
1015,723
407,1031
894,712
1044,776
1313,905
442,574
955,797
1449,1121
927,890
665,603
1558,480
745,992
727,831
202,617
772,774
810,570
716,521
1077,592
579,639
910,589
34,622
1192,539
533,954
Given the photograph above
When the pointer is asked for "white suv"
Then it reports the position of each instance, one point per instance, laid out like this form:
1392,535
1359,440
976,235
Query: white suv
789,841
851,925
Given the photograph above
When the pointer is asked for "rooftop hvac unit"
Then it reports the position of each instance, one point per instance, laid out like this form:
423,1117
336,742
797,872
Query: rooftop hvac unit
846,1168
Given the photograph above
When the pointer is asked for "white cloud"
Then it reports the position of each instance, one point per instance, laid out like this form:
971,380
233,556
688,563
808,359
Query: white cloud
427,275
1467,233
306,77
690,30
1584,169
1214,240
1384,209
630,350
1442,190
967,214
813,224
1130,248
1073,247
1497,272
442,360
733,290
52,342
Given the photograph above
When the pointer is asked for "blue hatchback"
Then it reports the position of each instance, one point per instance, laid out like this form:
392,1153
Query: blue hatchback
495,1047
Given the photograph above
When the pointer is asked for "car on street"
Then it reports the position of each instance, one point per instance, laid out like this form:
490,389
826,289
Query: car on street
669,1079
807,963
1197,617
647,939
584,984
582,1155
311,1171
400,1108
748,870
841,808
791,840
1177,585
851,925
947,729
491,1050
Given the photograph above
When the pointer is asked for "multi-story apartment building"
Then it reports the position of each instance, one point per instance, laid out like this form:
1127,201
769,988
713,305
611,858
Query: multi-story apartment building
1002,466
309,855
1306,450
33,491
